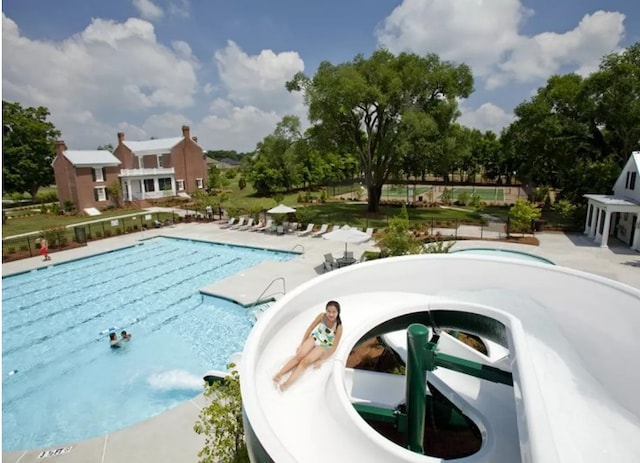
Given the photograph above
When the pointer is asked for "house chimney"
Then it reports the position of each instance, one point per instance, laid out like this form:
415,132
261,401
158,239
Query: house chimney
120,137
185,131
60,146
195,139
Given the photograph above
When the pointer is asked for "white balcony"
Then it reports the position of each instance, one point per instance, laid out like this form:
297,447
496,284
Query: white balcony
128,173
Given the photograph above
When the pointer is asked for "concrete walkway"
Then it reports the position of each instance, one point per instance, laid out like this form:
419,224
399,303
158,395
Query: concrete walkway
169,437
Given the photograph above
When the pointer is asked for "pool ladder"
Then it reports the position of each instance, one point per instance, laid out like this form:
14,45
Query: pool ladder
267,304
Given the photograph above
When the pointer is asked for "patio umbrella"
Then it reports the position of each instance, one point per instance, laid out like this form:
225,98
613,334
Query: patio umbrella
281,209
348,235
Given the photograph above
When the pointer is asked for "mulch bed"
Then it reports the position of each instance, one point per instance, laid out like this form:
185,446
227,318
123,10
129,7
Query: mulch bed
438,442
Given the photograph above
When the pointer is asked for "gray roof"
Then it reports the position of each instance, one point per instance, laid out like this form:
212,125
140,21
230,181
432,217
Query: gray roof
612,200
156,146
91,158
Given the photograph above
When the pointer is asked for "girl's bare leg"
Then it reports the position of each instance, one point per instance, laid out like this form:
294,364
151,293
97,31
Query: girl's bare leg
301,352
302,365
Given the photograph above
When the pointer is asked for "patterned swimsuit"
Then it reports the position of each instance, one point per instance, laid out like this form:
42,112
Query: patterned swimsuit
323,335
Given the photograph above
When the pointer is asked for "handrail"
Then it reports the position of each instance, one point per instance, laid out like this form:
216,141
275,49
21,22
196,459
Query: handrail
284,289
297,246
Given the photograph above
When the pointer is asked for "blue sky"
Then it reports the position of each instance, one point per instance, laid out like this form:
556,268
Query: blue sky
146,67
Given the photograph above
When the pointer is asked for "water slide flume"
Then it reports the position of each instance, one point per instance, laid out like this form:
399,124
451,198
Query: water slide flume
572,399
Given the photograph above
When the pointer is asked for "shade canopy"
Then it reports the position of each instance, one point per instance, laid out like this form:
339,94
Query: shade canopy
281,209
347,235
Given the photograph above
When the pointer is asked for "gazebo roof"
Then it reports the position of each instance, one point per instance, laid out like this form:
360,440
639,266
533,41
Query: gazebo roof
613,200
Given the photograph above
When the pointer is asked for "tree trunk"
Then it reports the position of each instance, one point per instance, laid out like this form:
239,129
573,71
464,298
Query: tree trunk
34,191
373,200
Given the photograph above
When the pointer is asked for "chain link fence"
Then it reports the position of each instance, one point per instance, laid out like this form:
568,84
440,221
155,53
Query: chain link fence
71,236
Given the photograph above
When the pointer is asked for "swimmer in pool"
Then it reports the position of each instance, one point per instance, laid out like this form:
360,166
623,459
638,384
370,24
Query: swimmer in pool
114,342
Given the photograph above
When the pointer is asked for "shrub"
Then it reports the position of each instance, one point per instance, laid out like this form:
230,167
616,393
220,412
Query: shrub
47,197
522,214
221,422
305,215
396,239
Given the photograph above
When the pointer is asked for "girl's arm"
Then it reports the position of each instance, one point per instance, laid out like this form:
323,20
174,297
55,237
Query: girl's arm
328,352
311,327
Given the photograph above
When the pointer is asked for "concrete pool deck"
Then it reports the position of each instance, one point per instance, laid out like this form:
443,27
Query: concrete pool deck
169,437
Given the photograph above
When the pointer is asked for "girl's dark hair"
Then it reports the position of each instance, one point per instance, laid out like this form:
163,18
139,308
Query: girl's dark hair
336,304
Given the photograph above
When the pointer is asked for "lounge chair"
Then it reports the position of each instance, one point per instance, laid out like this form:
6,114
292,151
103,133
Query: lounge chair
248,225
238,225
292,227
267,226
329,262
322,231
257,226
307,230
231,221
369,233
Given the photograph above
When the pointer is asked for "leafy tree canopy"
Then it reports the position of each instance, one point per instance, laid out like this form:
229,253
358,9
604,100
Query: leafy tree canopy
364,102
27,148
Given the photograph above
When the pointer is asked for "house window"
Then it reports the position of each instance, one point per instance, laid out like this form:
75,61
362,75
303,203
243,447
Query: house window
199,183
180,185
632,181
98,174
160,163
100,193
164,184
149,185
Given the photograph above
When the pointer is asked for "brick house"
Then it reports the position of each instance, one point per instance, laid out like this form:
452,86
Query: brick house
82,176
617,215
162,167
148,169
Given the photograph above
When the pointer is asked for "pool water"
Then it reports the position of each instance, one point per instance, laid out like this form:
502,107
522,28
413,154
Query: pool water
61,382
505,253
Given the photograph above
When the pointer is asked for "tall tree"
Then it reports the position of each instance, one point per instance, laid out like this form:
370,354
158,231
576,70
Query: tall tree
274,167
27,148
613,94
363,102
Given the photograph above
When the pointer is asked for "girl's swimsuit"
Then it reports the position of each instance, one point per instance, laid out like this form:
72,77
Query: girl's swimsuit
323,335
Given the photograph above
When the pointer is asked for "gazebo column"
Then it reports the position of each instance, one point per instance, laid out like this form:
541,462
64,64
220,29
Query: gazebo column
587,226
636,237
595,230
605,230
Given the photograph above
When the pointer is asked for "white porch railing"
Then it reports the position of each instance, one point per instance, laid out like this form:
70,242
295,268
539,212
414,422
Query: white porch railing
147,172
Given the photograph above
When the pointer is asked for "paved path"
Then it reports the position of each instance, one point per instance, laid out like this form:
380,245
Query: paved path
169,437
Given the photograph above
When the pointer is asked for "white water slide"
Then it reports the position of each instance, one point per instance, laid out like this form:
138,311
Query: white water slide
569,339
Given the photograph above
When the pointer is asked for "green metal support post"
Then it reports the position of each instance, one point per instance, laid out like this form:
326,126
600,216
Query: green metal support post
417,340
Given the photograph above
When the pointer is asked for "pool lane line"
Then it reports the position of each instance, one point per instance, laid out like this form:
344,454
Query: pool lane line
129,258
140,318
83,288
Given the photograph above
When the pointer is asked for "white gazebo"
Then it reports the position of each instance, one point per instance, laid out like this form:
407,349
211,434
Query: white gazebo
617,215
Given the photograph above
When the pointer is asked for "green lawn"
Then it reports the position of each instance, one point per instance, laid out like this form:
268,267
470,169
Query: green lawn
356,215
38,222
485,194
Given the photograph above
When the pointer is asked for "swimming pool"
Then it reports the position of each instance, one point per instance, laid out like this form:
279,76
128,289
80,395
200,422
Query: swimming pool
69,384
505,253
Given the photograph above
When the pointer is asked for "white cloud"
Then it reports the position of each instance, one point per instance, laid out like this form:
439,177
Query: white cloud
235,127
107,73
180,8
472,31
485,117
486,35
259,80
148,9
581,48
